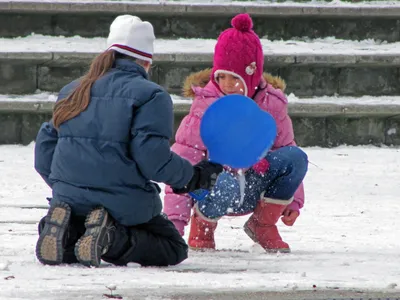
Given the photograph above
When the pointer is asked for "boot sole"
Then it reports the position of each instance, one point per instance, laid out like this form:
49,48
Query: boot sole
87,249
202,249
268,250
49,248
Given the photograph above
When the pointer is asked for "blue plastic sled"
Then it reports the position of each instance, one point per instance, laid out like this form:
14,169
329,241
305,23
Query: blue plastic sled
236,132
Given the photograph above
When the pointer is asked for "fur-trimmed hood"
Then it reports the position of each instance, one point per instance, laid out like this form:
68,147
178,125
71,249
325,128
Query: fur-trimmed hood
201,79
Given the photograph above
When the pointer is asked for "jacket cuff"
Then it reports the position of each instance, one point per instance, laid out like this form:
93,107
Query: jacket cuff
180,226
294,206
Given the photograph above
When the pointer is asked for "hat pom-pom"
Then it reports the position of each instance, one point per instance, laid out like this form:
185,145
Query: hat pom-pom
242,22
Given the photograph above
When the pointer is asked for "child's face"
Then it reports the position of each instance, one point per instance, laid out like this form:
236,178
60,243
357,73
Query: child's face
230,84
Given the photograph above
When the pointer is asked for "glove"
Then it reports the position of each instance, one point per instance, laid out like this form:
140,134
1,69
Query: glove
289,216
261,167
204,177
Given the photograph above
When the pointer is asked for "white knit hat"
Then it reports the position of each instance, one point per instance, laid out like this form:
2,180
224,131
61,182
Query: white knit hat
130,36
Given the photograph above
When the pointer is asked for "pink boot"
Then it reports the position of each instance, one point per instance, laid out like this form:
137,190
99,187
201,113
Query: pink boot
261,226
201,236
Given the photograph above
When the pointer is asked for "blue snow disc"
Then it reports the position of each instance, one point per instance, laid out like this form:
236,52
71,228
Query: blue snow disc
236,132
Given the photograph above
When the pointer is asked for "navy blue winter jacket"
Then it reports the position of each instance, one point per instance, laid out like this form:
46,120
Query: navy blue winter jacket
110,153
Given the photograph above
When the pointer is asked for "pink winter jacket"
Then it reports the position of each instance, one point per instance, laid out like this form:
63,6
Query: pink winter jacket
270,98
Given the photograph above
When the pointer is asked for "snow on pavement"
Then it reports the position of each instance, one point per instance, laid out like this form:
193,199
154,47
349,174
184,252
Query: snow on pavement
292,98
345,238
321,46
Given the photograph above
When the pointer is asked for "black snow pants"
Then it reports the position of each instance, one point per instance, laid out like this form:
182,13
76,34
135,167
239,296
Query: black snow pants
155,243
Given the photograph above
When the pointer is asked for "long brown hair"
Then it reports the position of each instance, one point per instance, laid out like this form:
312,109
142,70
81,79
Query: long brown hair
71,106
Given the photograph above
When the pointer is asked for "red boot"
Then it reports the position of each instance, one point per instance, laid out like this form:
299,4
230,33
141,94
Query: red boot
201,236
261,226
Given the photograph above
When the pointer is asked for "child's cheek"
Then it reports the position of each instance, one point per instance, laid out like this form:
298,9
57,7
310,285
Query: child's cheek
221,87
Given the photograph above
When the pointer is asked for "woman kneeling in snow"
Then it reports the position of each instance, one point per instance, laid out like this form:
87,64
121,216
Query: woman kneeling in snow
108,138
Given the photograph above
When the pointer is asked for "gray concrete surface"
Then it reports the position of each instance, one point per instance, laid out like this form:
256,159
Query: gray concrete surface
272,59
307,75
196,9
315,124
172,20
296,109
293,295
171,293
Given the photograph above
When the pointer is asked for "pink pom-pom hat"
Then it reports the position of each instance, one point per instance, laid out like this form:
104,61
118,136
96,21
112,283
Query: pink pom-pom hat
239,52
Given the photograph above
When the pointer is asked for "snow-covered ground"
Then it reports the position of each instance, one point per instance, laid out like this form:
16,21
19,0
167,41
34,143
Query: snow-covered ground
347,237
322,46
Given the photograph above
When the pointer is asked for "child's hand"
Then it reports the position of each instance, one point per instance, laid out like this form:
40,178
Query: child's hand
289,216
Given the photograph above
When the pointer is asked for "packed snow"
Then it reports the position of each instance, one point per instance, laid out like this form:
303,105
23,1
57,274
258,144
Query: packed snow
323,46
345,238
292,98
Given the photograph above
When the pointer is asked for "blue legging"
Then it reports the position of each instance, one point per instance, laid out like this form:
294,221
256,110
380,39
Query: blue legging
287,169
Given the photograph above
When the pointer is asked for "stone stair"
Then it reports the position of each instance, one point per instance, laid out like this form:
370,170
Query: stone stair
311,69
173,19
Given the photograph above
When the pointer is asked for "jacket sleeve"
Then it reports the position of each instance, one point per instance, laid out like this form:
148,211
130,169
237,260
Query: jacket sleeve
45,145
285,137
190,146
152,128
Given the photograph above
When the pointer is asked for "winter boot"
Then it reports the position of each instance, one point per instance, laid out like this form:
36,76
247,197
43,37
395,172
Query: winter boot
261,226
97,239
53,236
201,236
72,234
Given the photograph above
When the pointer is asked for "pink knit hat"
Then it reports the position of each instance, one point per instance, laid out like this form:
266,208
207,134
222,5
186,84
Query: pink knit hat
239,51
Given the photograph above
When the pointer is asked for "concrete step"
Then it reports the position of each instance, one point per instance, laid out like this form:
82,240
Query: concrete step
325,121
313,68
176,19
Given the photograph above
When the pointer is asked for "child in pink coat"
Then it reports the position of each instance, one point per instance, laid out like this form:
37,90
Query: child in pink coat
274,186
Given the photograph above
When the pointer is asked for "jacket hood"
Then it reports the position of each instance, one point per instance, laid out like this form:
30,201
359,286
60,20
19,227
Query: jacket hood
201,79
